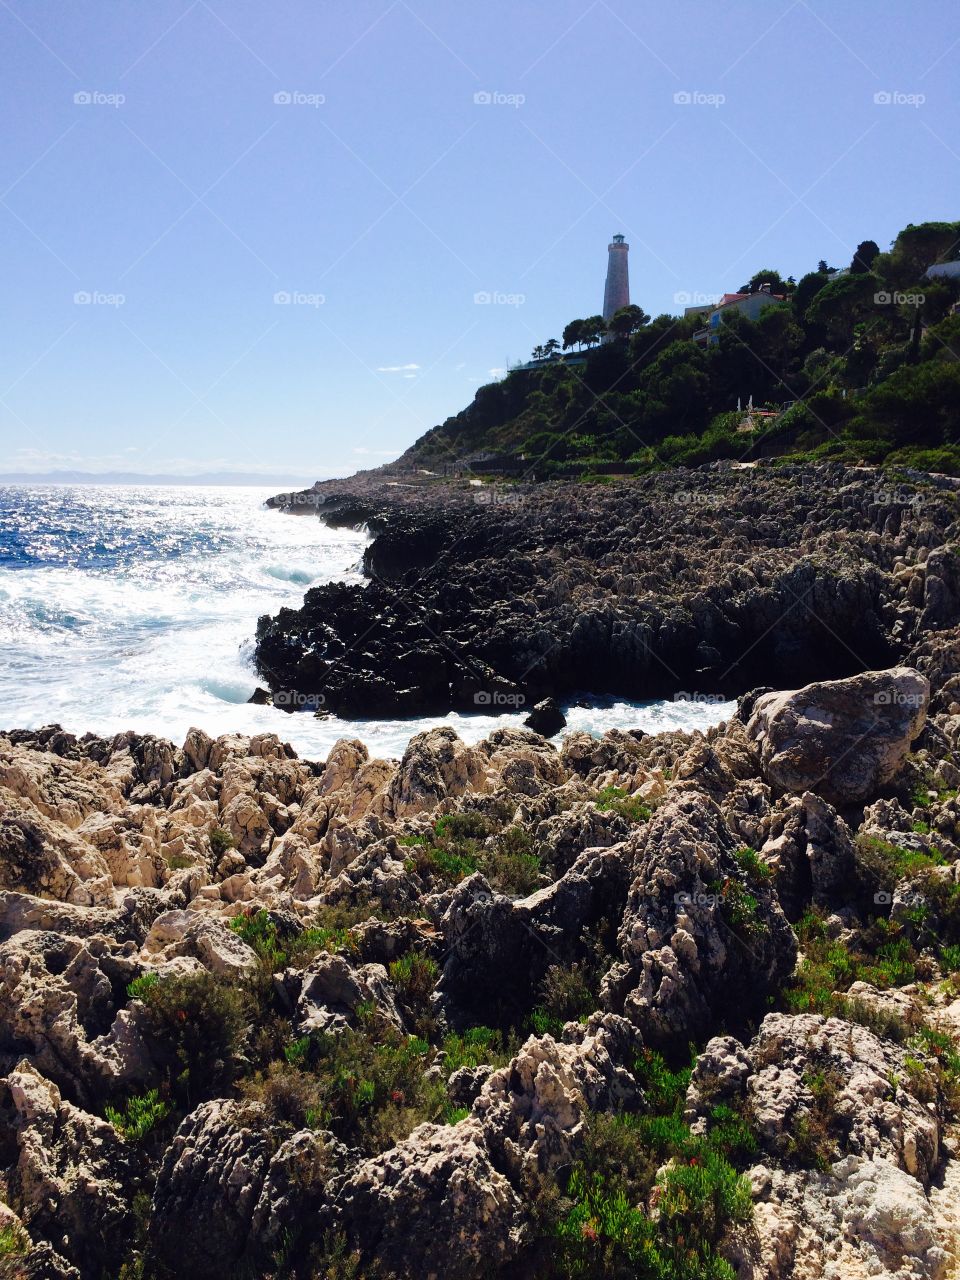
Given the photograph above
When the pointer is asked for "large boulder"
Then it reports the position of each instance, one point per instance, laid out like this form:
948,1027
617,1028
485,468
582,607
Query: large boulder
843,739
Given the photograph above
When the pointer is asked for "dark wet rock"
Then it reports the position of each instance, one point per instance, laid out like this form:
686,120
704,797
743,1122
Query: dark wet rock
546,718
772,579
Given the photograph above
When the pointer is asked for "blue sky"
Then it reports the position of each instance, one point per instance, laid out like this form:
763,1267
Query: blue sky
383,162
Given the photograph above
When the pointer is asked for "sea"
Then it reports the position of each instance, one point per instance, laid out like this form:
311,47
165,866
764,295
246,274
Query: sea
134,607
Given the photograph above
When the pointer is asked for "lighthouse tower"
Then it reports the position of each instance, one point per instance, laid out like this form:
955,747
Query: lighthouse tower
616,293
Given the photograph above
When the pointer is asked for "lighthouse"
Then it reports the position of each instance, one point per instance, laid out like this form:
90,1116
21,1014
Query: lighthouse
616,293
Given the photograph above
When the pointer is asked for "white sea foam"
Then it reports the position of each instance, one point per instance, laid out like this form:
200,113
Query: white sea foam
125,608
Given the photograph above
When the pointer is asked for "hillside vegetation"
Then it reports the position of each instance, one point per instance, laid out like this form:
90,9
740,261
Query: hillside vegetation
871,359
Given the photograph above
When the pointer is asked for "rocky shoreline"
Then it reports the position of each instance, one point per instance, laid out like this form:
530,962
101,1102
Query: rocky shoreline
383,1018
712,581
679,1005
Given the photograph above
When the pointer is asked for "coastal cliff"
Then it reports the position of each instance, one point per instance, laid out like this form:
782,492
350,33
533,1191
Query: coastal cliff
712,581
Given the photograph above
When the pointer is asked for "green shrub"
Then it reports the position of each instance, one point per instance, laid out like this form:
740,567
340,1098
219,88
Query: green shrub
259,932
459,845
663,1088
512,866
890,863
220,841
334,1258
367,1084
946,1063
331,931
882,956
414,976
475,1047
139,1115
201,1022
814,1135
462,826
757,870
701,1195
600,1228
566,995
617,800
139,987
14,1241
739,908
730,1135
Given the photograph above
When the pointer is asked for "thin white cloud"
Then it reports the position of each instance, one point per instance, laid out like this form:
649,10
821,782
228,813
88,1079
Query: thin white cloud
396,368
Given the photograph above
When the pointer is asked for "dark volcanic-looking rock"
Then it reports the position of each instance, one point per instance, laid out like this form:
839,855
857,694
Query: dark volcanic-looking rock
774,576
546,718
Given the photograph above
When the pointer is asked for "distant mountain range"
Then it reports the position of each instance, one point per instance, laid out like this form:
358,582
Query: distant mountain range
304,480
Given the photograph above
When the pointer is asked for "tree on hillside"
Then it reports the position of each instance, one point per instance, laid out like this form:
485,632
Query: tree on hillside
550,348
942,341
627,321
919,404
919,247
537,353
864,257
573,333
842,303
767,276
594,327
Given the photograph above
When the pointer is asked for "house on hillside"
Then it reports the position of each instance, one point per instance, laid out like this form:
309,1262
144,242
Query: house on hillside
747,304
943,270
